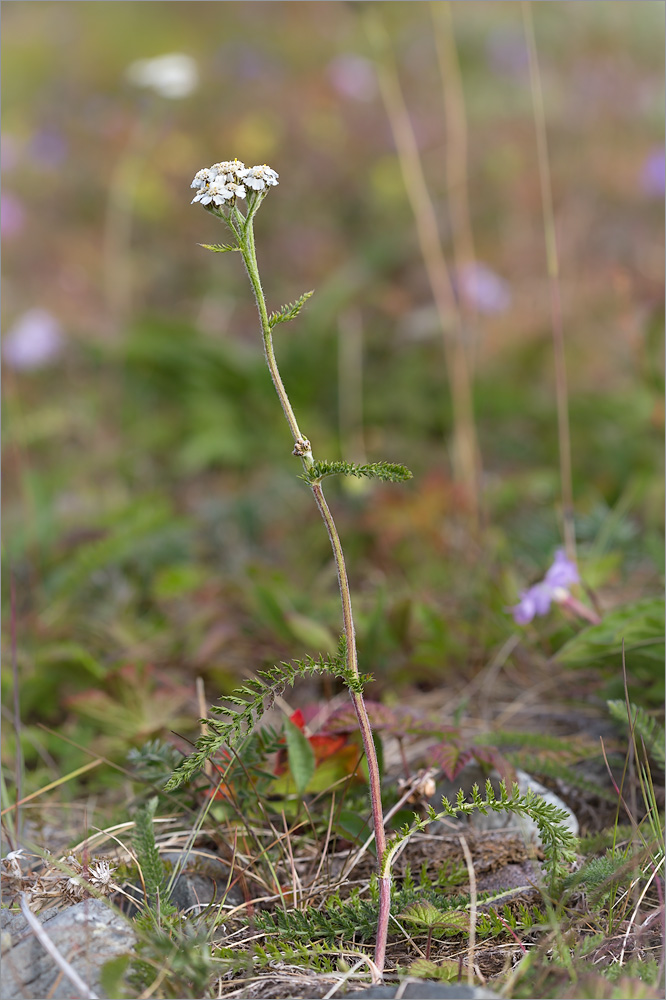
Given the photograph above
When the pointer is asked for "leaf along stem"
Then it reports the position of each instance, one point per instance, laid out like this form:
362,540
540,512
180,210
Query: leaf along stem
302,449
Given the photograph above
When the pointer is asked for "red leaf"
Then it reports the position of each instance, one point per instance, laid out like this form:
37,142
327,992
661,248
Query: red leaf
449,756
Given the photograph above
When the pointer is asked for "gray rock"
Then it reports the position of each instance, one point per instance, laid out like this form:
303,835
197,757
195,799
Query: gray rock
424,990
205,878
87,935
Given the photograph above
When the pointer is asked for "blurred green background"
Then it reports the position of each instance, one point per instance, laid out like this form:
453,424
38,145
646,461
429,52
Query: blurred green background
155,527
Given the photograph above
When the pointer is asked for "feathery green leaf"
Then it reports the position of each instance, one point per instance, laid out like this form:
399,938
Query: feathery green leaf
387,471
248,703
219,247
290,310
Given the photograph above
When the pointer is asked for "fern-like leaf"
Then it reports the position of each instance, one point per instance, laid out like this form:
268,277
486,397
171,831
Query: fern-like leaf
559,844
152,867
219,247
248,703
387,471
290,310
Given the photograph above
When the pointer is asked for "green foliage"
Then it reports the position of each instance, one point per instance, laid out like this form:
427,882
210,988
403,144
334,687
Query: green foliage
154,761
312,956
289,311
645,728
425,914
636,628
252,700
492,922
112,976
152,868
301,756
177,956
600,875
219,247
443,972
389,472
427,905
559,844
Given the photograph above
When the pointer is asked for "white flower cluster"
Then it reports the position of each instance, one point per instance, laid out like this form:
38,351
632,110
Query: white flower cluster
51,883
228,180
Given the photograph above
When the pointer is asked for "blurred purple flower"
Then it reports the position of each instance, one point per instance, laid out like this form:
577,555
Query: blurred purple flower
483,289
653,174
353,76
507,53
48,148
34,341
554,587
12,215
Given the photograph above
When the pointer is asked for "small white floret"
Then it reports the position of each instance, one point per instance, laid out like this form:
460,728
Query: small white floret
260,177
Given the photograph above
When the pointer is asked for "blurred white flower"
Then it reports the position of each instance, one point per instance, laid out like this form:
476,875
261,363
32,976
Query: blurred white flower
353,76
172,76
34,341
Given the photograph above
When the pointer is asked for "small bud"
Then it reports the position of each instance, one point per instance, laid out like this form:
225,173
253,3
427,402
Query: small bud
302,448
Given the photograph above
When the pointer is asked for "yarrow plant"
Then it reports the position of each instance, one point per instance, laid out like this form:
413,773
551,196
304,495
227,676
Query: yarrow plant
221,189
553,589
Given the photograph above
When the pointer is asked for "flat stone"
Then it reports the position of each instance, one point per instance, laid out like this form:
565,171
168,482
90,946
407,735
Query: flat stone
87,935
424,990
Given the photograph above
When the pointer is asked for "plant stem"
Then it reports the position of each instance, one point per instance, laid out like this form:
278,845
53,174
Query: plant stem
250,258
553,265
304,452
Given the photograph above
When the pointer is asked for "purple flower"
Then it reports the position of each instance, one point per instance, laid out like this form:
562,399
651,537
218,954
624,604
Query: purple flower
653,174
33,342
483,289
554,587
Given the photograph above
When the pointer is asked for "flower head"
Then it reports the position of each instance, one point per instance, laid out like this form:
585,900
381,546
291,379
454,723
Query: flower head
100,874
260,177
219,190
230,170
227,180
554,587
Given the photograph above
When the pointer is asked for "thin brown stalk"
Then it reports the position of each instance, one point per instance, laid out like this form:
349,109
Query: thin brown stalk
553,266
17,706
466,455
455,147
472,909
